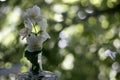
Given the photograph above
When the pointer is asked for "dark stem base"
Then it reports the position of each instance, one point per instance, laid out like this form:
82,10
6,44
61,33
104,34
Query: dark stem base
33,58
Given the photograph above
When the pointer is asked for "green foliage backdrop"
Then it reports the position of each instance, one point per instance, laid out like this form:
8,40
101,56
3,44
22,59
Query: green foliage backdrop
80,30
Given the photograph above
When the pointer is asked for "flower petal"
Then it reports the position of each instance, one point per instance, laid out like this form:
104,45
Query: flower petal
33,14
43,24
24,32
28,24
36,9
34,43
45,35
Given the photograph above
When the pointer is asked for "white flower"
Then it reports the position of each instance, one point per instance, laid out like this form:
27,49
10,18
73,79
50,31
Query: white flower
33,17
35,43
33,14
43,24
111,54
27,30
45,35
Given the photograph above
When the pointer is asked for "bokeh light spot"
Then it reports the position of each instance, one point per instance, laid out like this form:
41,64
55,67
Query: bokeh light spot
62,43
67,63
70,1
60,8
101,53
92,21
58,17
116,43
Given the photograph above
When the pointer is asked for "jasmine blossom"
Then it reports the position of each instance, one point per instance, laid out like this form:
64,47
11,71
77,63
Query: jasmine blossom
27,30
33,14
35,43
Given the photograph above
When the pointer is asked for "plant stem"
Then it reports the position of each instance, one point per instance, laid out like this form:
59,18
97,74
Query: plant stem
40,60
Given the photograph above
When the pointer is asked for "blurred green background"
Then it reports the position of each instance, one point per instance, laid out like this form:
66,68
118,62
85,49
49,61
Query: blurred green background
80,30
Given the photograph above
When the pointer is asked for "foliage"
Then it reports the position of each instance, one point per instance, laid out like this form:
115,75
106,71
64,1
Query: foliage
81,31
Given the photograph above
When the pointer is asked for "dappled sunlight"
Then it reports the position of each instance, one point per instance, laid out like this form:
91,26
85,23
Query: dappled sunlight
116,43
104,22
51,44
82,15
84,41
9,38
62,43
104,70
116,66
63,52
5,31
58,27
110,33
112,75
14,16
73,11
97,3
8,65
67,63
67,33
7,34
63,35
60,8
101,53
22,41
49,1
110,3
92,48
92,21
73,30
70,1
58,17
25,64
89,10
